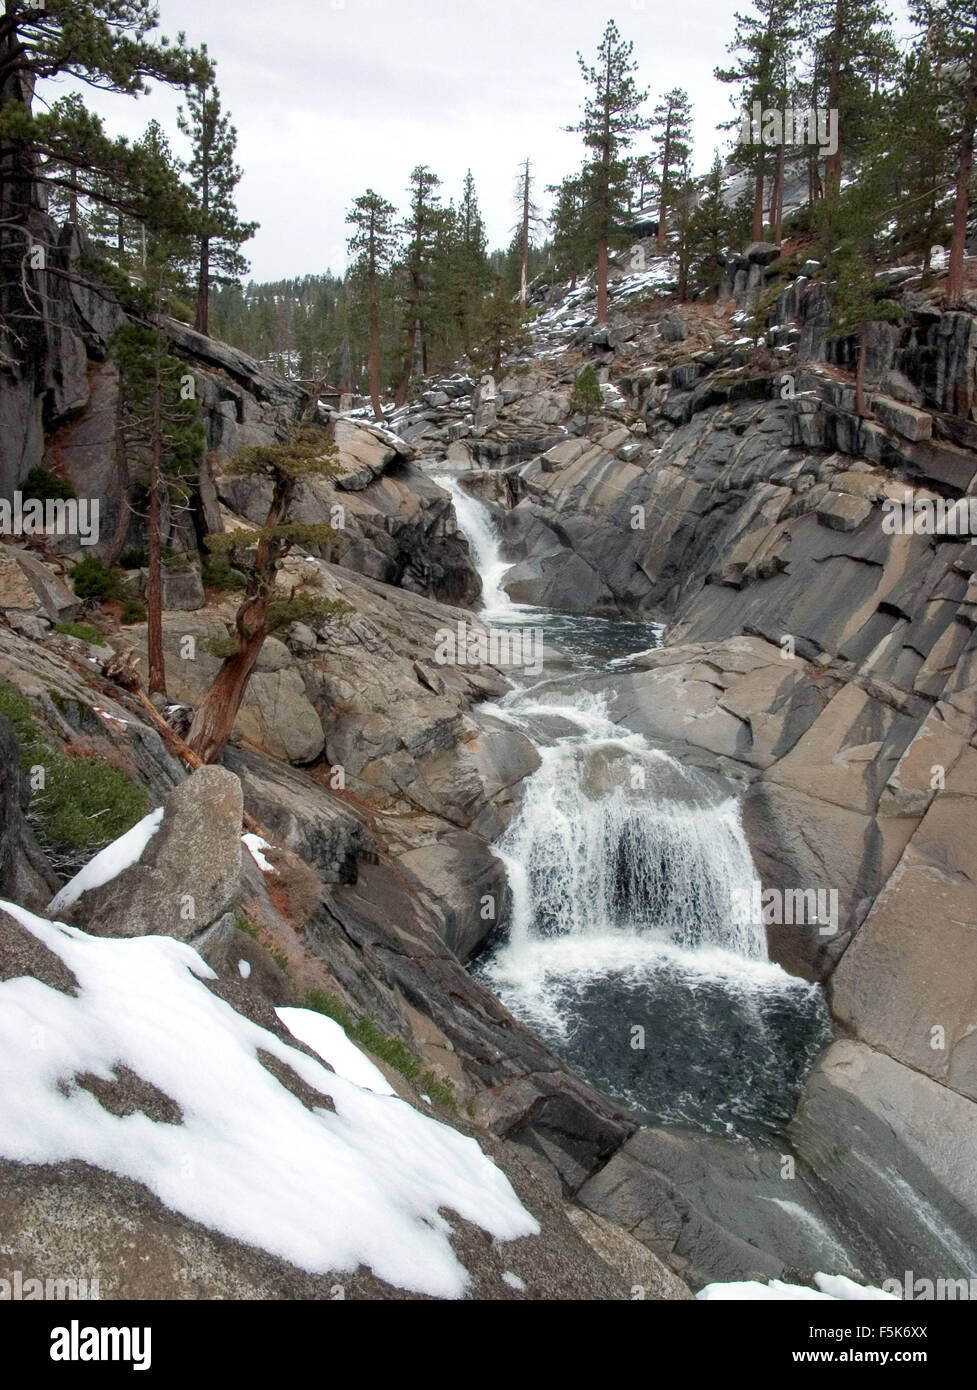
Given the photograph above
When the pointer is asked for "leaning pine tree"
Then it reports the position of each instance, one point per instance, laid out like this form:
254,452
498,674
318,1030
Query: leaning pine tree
259,552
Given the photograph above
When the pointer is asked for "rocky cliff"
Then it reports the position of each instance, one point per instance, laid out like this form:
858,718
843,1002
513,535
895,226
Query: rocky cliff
727,488
816,650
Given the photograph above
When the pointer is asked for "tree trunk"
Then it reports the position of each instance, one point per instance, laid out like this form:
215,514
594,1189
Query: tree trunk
833,162
758,205
663,201
777,209
404,384
965,165
524,283
214,719
602,278
213,722
202,324
346,367
22,330
122,522
375,346
154,592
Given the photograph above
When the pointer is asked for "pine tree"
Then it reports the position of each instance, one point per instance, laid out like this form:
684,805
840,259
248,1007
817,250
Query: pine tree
951,28
712,229
472,276
421,229
916,143
259,552
765,46
684,206
502,329
855,304
157,411
856,53
213,177
373,243
672,120
105,44
572,247
159,428
644,178
586,396
610,122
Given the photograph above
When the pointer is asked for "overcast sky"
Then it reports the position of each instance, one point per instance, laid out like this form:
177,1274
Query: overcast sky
331,97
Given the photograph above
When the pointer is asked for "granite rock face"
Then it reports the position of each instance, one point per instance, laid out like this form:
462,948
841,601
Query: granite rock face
187,876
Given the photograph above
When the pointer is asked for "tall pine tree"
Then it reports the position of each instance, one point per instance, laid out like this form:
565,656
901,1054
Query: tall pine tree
372,243
610,122
672,123
213,177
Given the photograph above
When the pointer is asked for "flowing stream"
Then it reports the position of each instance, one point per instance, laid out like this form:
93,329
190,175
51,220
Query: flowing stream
630,947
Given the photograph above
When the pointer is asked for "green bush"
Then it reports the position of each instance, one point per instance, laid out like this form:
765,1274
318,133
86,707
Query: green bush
221,647
442,1092
94,582
244,923
83,632
394,1051
220,575
132,611
46,486
85,802
14,707
135,558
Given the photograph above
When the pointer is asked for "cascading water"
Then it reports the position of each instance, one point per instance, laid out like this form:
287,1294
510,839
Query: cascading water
630,946
475,521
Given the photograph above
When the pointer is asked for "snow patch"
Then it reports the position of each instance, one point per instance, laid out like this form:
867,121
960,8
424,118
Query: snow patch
256,844
110,862
327,1039
829,1287
325,1191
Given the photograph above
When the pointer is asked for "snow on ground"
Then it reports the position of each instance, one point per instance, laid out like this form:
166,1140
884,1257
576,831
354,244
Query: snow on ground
661,274
109,862
256,844
327,1039
829,1287
326,1191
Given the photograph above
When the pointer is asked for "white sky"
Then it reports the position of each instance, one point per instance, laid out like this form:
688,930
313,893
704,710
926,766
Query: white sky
333,96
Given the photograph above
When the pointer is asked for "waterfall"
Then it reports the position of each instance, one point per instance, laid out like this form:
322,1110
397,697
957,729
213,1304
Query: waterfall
475,522
630,945
615,836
